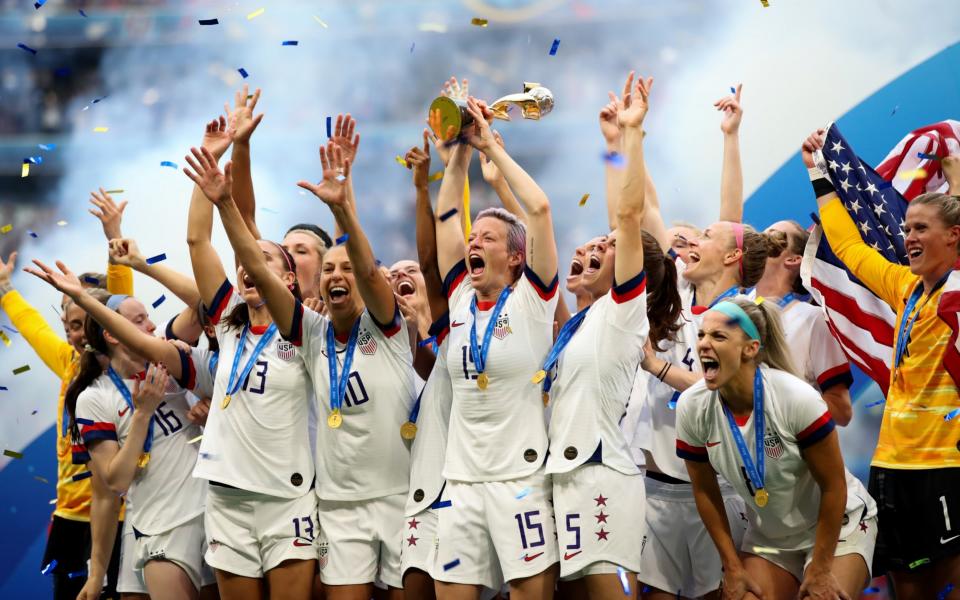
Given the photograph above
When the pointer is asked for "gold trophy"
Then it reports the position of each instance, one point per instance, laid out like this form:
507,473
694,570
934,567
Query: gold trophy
535,102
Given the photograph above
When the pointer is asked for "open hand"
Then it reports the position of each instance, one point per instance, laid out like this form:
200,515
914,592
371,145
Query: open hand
821,584
214,184
65,281
610,124
632,108
241,119
456,90
110,213
333,188
732,112
736,583
217,137
344,137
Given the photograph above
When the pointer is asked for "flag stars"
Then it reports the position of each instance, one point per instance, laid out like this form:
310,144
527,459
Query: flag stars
862,168
865,228
878,208
872,188
855,206
845,185
837,147
846,168
875,246
833,165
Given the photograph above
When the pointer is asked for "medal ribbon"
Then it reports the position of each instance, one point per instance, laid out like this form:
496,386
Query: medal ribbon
907,322
338,385
235,382
755,472
479,353
415,411
128,397
563,338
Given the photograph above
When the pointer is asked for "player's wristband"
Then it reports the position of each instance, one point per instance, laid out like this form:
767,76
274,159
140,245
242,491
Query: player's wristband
821,185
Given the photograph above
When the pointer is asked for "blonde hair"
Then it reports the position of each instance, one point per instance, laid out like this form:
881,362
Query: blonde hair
774,351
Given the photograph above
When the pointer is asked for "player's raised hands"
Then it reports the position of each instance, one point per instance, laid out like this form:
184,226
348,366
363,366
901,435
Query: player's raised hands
124,251
109,212
479,134
241,118
610,124
455,89
6,268
64,280
332,189
632,108
732,112
418,161
214,183
217,137
345,138
810,145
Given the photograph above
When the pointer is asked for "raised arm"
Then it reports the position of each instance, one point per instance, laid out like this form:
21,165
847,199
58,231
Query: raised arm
345,137
243,124
541,245
493,176
613,141
153,349
333,191
110,215
450,246
630,210
731,179
419,162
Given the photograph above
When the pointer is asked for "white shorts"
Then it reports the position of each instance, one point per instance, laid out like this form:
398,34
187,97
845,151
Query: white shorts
678,553
360,541
249,533
861,541
418,548
130,578
183,545
600,520
496,531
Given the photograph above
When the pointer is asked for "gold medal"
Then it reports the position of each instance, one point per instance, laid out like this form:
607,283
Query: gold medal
408,430
335,420
226,401
483,381
761,498
144,459
538,376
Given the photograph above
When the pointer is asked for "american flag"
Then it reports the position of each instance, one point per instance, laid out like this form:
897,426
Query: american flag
877,201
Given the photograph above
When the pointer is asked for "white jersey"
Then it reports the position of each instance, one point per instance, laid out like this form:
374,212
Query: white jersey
795,418
593,379
365,457
163,492
816,354
498,433
259,442
429,447
198,371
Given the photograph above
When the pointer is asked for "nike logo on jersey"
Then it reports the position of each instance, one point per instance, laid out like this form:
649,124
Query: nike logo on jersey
301,543
528,558
712,444
123,412
455,324
569,555
949,539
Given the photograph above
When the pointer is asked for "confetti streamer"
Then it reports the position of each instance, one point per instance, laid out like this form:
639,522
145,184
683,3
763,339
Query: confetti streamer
243,72
919,563
25,170
426,342
290,43
49,568
412,46
952,414
733,90
5,338
434,27
269,210
32,234
195,440
62,223
39,3
41,479
76,574
478,22
523,493
209,21
117,191
4,389
942,595
342,239
765,3
47,147
624,582
765,550
319,20
34,160
82,476
448,214
442,504
6,228
10,329
914,174
167,163
256,13
329,127
584,199
27,48
156,259
13,454
91,280
159,300
894,111
22,369
82,14
436,176
877,403
928,156
555,47
400,161
453,563
101,129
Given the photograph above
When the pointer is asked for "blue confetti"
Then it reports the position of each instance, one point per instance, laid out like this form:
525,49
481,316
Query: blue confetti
33,160
894,111
441,504
75,574
624,582
448,214
878,402
953,413
82,14
91,280
167,163
290,43
10,329
733,90
342,239
243,72
32,234
453,563
156,259
209,21
82,476
555,47
645,589
523,493
872,590
426,342
27,48
39,3
329,127
412,46
928,156
3,388
49,568
47,147
942,595
159,300
614,159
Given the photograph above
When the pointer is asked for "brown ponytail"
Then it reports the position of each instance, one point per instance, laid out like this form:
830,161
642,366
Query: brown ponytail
757,247
774,351
664,307
90,365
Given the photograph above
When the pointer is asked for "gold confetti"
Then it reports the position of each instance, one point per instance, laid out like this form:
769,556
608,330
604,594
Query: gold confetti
914,174
25,170
436,176
41,479
256,13
6,340
584,199
119,191
400,161
6,228
319,20
13,454
22,369
196,439
765,3
478,22
765,550
101,129
62,223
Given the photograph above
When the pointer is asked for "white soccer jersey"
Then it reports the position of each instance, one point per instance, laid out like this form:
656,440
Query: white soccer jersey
815,352
429,447
593,379
164,493
259,442
198,371
365,457
795,418
498,433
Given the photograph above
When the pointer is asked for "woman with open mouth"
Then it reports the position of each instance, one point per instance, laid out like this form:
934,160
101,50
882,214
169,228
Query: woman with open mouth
916,465
768,433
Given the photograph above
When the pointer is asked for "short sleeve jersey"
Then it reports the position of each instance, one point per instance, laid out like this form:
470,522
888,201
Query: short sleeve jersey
816,353
593,379
795,418
498,433
259,442
365,457
198,371
164,492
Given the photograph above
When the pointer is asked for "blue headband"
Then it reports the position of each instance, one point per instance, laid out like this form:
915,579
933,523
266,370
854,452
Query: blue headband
739,316
114,301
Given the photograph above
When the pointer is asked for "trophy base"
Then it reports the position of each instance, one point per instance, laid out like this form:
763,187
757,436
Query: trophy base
453,117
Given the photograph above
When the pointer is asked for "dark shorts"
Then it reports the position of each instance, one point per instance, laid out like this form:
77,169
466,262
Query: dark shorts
68,543
918,517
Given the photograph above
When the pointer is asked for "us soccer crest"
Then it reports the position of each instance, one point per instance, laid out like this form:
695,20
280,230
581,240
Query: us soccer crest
502,328
772,445
286,350
324,553
366,343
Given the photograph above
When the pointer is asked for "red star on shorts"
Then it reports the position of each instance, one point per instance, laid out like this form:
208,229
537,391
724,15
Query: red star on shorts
412,524
601,518
863,526
600,500
412,541
602,535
